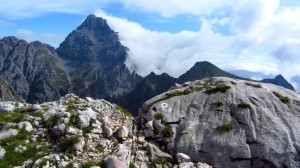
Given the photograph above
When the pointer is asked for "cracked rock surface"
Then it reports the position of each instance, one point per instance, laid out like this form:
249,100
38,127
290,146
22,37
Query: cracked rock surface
226,123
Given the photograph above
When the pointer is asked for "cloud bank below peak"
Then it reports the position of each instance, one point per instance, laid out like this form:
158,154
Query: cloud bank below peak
167,52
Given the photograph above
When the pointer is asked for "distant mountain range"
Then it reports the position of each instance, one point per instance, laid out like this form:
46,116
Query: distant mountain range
89,62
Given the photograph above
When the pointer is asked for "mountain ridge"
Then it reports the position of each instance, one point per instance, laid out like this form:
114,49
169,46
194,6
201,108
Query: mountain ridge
89,62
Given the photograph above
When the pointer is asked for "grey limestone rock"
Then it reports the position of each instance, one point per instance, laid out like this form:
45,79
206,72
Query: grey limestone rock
25,125
6,107
248,125
8,133
113,162
2,153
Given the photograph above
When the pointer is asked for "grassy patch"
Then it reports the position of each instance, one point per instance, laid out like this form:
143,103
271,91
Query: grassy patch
72,106
158,116
282,98
218,104
253,85
74,120
224,128
178,93
13,158
100,148
131,165
121,109
219,88
67,145
49,123
244,105
14,116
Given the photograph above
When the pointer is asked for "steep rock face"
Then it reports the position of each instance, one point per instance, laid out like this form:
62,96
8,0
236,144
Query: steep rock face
148,87
280,81
96,61
7,92
32,69
227,123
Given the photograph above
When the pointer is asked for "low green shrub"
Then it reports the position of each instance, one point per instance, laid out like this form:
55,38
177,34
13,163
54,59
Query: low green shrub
224,128
282,98
253,85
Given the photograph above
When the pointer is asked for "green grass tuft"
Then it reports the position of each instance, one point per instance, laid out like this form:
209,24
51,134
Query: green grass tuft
282,98
244,105
67,146
72,106
168,131
224,128
12,158
219,88
253,85
90,164
218,104
158,116
124,111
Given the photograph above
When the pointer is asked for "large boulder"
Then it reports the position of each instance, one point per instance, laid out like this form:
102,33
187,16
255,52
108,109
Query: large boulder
227,123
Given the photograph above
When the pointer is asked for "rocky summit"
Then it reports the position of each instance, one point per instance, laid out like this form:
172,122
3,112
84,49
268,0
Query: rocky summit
80,133
226,123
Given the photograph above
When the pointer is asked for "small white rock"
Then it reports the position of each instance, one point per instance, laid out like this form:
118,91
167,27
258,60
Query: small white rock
181,157
25,125
2,153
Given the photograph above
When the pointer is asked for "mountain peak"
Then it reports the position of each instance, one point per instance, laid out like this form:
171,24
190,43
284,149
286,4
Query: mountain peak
201,63
279,80
279,77
202,70
91,41
95,23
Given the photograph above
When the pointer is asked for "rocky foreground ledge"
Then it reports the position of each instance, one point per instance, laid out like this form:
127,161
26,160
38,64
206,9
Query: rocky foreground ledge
75,132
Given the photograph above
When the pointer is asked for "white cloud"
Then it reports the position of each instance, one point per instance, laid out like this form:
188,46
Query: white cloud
5,23
264,34
52,39
31,8
25,35
163,51
170,8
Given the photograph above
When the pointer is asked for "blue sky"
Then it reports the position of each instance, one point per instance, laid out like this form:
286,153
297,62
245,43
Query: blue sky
171,35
